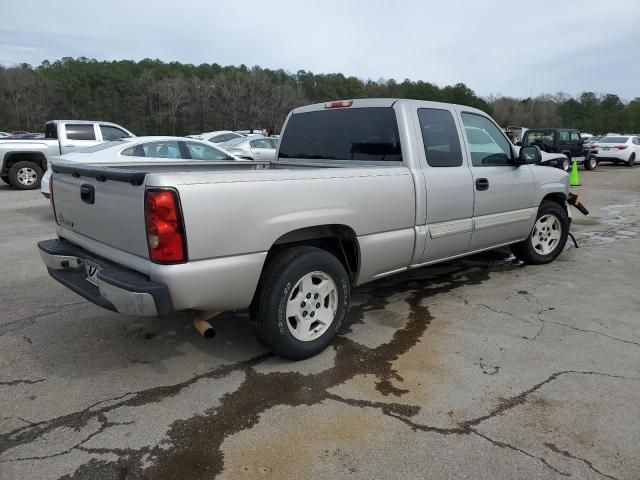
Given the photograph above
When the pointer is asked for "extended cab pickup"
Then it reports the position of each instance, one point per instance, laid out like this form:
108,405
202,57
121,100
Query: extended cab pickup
23,162
359,190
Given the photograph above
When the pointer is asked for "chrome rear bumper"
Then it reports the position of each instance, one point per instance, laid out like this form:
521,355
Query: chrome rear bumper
112,286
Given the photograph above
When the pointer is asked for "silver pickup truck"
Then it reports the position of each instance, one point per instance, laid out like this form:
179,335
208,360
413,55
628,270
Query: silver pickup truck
23,162
359,190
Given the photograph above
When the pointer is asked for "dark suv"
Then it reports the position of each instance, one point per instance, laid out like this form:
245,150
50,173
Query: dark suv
557,140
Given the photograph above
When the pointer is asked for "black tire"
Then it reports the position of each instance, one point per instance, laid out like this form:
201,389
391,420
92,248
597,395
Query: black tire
632,160
526,251
278,283
565,165
591,163
25,175
5,178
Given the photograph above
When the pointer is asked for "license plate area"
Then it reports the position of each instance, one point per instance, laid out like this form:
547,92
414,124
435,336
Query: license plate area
91,270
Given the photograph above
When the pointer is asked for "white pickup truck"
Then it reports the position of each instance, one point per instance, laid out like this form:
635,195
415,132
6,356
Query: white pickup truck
359,190
23,162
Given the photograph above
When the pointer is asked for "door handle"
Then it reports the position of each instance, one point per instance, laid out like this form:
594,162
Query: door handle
482,184
70,145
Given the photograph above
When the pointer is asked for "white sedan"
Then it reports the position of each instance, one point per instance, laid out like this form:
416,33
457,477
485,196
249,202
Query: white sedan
142,150
617,149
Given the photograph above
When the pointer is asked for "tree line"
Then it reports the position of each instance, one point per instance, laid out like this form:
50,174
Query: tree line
151,97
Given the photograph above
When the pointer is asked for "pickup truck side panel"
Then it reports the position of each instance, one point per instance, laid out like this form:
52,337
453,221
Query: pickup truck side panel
402,214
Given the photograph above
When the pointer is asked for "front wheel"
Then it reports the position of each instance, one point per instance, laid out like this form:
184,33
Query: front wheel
548,236
591,163
25,175
301,302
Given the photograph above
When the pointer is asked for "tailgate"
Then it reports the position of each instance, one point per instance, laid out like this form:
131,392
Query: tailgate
108,211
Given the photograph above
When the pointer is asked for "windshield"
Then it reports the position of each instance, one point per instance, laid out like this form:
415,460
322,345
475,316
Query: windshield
363,134
540,138
613,140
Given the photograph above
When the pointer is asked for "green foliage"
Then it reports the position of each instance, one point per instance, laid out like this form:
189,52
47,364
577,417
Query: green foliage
596,114
154,97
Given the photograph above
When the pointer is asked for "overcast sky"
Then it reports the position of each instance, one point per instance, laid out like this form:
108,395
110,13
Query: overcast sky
494,46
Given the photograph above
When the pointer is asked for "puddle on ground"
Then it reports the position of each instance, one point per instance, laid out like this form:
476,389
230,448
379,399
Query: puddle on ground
619,226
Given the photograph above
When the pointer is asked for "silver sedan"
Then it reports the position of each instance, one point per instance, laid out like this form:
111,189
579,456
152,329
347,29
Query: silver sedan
141,150
261,149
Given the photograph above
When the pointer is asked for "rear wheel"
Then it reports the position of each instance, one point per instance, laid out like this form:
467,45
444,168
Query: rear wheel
591,163
25,175
548,236
632,160
301,302
565,164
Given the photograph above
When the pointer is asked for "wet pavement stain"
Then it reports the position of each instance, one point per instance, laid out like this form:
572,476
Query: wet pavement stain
193,447
195,451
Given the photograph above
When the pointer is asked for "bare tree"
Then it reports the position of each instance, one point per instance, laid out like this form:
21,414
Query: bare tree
173,92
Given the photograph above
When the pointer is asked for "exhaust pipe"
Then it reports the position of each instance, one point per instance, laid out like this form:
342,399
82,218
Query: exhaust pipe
202,325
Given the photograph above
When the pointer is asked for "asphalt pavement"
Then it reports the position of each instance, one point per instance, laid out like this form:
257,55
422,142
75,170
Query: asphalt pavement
478,368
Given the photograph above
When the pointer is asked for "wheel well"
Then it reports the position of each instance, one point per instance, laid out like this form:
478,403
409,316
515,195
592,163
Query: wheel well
36,157
556,197
567,153
339,240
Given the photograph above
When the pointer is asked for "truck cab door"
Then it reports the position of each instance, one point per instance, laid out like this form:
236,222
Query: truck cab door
503,209
449,188
74,136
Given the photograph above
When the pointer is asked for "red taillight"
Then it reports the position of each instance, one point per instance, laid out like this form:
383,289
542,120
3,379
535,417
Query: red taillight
339,104
621,147
165,232
594,146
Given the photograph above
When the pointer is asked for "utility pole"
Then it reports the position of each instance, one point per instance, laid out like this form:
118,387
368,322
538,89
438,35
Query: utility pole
530,106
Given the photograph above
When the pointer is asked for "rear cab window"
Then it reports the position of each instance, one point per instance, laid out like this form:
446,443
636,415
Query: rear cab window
345,134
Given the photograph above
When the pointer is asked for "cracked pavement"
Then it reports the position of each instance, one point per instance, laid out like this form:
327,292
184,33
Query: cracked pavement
477,368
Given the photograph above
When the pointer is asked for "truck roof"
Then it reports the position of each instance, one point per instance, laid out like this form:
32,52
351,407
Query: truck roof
373,102
82,121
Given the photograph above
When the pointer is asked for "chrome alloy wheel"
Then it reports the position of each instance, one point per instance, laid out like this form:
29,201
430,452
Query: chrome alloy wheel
312,306
27,176
546,234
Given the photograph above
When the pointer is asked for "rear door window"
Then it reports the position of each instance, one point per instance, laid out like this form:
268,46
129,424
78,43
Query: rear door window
440,138
563,136
80,131
168,149
199,151
260,143
359,134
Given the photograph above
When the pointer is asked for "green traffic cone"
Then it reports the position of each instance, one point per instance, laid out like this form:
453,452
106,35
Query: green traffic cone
574,178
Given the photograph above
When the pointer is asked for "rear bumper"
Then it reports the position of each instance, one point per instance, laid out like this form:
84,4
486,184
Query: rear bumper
619,155
116,288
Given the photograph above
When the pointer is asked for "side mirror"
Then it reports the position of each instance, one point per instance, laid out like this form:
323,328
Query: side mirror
529,155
